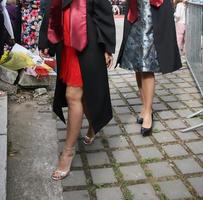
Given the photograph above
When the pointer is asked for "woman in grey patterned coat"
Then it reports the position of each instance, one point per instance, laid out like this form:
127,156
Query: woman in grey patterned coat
149,46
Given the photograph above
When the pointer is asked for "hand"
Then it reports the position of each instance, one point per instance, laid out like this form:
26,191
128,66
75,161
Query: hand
44,53
109,59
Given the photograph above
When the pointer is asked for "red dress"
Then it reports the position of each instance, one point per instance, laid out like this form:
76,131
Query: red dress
70,68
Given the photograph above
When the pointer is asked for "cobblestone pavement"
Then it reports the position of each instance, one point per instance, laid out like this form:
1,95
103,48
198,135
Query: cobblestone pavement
121,164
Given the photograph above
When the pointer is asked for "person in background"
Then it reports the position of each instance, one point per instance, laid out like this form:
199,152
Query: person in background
180,15
149,46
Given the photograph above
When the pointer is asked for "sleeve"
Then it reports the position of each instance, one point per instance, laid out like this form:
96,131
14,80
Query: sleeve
7,21
103,17
43,42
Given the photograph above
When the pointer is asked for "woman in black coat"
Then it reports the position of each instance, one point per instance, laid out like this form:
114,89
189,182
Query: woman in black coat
149,46
92,44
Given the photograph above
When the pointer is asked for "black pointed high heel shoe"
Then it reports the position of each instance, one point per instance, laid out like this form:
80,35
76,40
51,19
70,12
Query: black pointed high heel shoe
139,120
147,131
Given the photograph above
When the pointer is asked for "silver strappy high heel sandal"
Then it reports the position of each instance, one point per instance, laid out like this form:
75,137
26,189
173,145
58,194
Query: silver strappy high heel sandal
61,174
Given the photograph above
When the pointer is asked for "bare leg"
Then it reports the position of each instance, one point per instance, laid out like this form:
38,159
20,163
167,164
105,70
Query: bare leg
75,115
148,86
139,84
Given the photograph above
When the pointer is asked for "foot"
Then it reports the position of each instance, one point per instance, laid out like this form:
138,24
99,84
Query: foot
64,165
140,117
147,126
90,136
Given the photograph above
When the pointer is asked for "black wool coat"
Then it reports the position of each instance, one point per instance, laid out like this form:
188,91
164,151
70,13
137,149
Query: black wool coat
101,39
164,37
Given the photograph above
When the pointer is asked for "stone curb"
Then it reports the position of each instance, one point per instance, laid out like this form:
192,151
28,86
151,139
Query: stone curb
3,144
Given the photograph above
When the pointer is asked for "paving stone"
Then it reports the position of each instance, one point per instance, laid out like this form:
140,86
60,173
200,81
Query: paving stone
125,90
178,80
174,189
156,100
169,98
161,92
76,178
176,105
117,142
183,85
191,90
62,134
77,162
188,166
130,95
102,176
121,85
118,102
170,85
60,125
135,101
112,122
185,97
175,124
186,136
159,107
177,91
150,152
193,103
140,140
115,96
174,150
167,115
123,156
79,194
164,136
158,126
96,145
196,147
161,169
99,158
127,118
184,112
133,172
197,183
143,192
137,108
112,130
194,121
85,123
122,110
132,128
109,193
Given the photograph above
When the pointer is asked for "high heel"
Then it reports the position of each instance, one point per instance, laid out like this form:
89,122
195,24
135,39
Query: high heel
139,120
147,131
88,140
58,174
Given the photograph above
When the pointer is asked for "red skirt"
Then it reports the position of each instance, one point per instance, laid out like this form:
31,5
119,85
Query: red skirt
70,72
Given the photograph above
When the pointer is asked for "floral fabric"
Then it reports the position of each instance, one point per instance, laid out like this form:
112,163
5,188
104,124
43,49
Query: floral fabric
31,20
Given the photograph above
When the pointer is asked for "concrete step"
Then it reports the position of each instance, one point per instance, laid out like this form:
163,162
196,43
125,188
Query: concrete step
3,145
